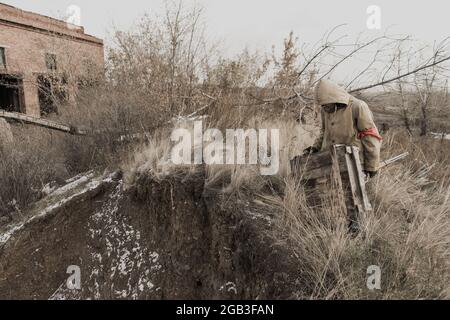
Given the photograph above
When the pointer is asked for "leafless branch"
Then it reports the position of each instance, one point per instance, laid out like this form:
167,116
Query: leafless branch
402,75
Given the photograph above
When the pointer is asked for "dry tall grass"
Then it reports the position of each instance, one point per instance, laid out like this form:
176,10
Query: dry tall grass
407,235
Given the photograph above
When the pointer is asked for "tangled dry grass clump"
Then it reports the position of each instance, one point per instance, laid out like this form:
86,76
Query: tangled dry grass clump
20,184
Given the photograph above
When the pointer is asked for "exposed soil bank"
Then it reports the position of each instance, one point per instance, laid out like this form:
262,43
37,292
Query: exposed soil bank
170,239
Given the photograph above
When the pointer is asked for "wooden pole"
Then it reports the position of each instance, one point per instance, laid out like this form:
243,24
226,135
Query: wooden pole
48,124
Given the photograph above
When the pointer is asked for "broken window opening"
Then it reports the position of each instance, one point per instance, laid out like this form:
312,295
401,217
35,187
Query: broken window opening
2,57
50,61
52,92
11,93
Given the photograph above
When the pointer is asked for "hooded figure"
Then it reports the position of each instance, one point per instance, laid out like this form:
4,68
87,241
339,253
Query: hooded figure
347,120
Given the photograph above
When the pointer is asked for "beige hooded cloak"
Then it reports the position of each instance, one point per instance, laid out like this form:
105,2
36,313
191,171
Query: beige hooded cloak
353,125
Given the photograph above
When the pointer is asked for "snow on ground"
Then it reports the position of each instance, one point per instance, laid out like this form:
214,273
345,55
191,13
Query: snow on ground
120,266
129,260
73,184
9,233
116,250
60,196
445,136
229,287
259,216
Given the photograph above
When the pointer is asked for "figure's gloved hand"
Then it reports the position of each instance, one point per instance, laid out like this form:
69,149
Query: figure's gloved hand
310,150
370,174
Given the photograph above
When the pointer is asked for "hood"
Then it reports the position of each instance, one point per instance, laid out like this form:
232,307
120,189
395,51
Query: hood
329,92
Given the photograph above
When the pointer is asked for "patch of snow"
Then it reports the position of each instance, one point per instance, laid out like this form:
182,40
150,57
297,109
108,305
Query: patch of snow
73,184
445,136
48,189
131,137
9,233
63,293
92,185
89,187
229,287
130,265
154,256
256,215
189,118
79,176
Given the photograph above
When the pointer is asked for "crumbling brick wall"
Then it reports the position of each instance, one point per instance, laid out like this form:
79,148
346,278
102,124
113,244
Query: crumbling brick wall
29,37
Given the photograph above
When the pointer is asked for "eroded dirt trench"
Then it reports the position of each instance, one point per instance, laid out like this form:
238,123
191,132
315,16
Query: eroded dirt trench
169,239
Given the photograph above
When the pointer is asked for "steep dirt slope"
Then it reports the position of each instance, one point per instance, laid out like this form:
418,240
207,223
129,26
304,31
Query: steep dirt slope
170,239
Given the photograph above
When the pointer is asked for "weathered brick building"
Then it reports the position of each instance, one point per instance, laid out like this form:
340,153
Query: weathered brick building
43,60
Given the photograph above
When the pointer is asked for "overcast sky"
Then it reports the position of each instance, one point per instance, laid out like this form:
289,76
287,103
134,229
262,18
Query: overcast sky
259,24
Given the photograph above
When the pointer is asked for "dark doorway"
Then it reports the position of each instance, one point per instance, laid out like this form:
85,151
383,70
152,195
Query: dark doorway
11,93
